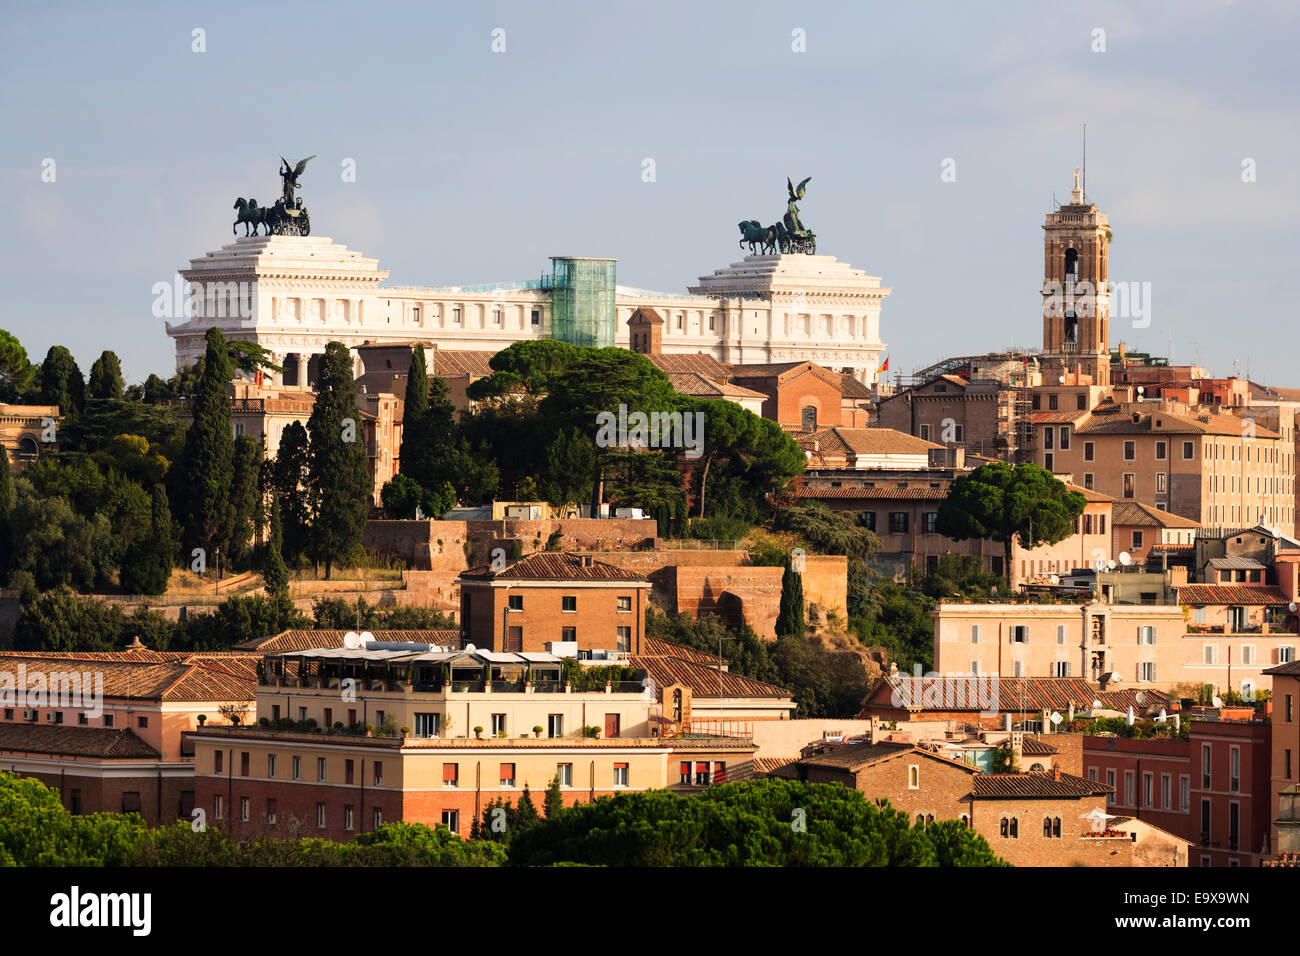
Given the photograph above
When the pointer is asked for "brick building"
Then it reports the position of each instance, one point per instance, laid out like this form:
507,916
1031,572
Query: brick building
1029,819
1284,760
801,396
1211,789
554,597
25,432
113,737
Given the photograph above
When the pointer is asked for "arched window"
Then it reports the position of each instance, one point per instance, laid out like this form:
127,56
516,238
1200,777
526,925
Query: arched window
929,819
914,777
1047,826
1071,265
809,418
677,704
920,819
1004,828
1056,827
1015,828
1036,768
965,820
27,448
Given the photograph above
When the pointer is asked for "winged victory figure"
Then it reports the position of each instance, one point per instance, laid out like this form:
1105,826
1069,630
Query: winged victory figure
290,177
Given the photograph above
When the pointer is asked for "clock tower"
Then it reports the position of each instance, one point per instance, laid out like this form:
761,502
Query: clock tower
1076,294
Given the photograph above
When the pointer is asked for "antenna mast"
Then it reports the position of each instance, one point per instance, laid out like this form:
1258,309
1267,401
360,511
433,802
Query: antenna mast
1085,162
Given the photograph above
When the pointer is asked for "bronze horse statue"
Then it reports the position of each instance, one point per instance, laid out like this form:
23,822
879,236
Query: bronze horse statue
250,213
758,237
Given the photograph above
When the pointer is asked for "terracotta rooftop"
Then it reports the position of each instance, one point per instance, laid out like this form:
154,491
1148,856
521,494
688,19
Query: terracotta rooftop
1118,422
103,742
1201,594
701,386
802,490
1014,694
554,566
837,440
1033,747
697,362
139,675
1289,669
1019,786
459,362
669,663
1136,513
851,388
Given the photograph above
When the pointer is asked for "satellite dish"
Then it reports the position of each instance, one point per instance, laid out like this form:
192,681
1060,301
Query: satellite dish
1110,565
1291,607
1055,579
1114,675
1096,705
470,648
1125,558
1061,379
1055,718
1218,701
1162,716
1142,389
1129,717
1140,697
352,640
364,638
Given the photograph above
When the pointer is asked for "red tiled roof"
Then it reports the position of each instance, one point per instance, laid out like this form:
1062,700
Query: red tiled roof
1018,786
669,663
1137,513
763,766
701,386
1033,747
554,566
697,362
851,388
104,742
1015,694
1289,669
134,675
1201,594
459,362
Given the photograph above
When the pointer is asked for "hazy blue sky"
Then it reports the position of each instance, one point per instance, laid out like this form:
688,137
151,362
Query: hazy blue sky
474,166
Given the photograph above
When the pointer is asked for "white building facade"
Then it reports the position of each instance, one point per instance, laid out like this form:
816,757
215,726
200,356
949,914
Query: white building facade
294,294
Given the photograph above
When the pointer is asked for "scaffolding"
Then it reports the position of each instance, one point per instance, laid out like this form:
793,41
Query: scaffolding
582,301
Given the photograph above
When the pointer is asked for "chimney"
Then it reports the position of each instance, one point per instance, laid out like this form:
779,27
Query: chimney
1056,772
1017,747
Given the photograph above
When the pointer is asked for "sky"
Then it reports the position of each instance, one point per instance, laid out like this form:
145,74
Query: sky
474,164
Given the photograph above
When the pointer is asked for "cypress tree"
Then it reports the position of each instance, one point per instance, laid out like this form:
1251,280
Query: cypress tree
207,464
106,377
289,480
339,465
790,620
246,514
275,574
61,381
6,508
413,456
148,561
554,801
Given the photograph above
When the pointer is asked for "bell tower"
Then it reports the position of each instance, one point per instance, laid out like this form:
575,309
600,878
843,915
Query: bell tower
1076,293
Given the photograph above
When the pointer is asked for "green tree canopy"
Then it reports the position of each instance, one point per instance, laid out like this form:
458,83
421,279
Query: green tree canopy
17,374
207,466
106,377
1003,502
338,463
61,381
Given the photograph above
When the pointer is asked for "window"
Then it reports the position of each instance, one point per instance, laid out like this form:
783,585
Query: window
684,773
555,725
216,807
624,639
974,667
1146,634
569,635
320,815
1049,461
1137,540
243,764
930,521
1130,450
612,725
1161,487
898,522
1128,788
1081,402
1089,451
347,817
1009,828
1049,434
428,725
515,602
867,519
378,776
320,768
377,818
1161,451
624,603
451,820
347,771
1019,633
1128,484
270,765
564,773
1210,654
925,432
1059,669
569,604
507,775
514,639
1285,654
243,809
1060,634
1166,791
1147,672
1087,480
1110,782
451,775
536,317
218,760
702,776
1205,766
1234,763
498,725
1188,452
620,775
1065,438
914,777
1185,792
808,417
1052,402
974,633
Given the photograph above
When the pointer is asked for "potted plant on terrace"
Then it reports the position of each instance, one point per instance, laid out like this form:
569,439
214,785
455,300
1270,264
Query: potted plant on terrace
537,731
478,731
